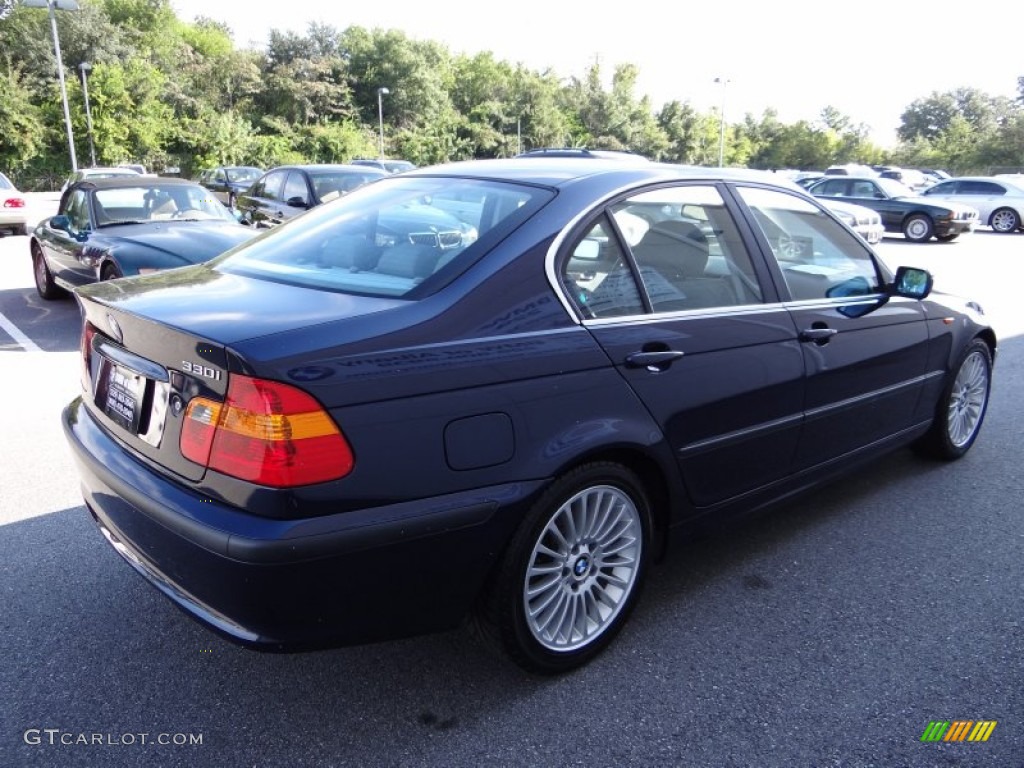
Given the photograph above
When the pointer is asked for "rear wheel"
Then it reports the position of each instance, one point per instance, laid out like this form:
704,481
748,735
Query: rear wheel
45,285
918,228
573,571
1004,220
961,409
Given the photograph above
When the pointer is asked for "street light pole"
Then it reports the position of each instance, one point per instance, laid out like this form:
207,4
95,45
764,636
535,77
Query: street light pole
64,5
85,68
380,116
721,123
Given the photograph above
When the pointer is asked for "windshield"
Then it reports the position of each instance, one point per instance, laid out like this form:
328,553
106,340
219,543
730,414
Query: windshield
894,188
398,237
331,184
242,174
156,202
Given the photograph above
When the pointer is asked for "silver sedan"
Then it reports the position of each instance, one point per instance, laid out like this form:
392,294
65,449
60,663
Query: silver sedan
1000,201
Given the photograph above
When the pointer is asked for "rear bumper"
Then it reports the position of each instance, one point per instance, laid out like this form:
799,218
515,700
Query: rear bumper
388,571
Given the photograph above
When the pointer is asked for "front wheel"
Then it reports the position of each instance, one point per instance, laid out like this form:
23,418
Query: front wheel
1004,220
45,284
573,571
961,408
947,238
918,228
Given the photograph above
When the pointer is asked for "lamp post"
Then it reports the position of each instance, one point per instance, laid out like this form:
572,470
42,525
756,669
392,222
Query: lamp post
85,68
721,123
380,116
64,5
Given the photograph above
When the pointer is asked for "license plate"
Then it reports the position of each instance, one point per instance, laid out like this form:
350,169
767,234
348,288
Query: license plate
124,396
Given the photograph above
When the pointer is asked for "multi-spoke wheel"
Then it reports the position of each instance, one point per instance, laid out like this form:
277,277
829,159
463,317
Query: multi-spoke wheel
961,409
573,571
1004,220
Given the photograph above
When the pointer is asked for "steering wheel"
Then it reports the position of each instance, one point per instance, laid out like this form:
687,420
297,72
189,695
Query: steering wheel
189,213
789,248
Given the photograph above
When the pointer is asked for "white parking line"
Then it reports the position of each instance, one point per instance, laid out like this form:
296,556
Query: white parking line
15,333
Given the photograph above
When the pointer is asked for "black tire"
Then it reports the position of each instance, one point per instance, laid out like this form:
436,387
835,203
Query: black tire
961,408
947,238
45,284
918,228
1004,220
110,272
586,579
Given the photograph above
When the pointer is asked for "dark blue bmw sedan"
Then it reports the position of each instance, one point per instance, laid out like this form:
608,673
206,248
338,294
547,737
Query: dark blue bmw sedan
492,390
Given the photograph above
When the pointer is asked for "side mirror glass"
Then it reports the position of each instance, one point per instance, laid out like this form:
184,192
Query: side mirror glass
61,222
297,202
912,283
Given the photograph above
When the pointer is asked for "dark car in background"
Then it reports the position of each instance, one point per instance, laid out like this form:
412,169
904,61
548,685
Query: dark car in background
917,218
509,426
287,191
118,227
229,181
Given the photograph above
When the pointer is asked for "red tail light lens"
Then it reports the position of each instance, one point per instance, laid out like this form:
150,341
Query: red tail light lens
266,432
88,331
14,202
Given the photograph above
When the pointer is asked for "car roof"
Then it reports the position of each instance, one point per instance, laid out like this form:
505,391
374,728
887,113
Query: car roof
558,171
310,167
124,182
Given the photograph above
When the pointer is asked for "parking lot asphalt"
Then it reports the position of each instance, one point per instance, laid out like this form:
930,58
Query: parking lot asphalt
829,633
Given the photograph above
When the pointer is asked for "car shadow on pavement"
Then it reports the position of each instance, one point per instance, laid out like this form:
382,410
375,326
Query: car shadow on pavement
49,326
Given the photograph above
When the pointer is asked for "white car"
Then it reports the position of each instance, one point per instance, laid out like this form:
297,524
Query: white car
12,209
864,221
999,200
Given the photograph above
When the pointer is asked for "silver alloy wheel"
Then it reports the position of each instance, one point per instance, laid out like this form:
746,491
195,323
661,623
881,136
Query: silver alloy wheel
917,228
1004,220
967,399
583,568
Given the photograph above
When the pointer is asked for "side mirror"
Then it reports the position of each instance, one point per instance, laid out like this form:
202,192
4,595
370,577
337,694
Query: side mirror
912,283
61,222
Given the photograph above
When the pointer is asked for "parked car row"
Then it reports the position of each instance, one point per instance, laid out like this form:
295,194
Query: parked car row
917,218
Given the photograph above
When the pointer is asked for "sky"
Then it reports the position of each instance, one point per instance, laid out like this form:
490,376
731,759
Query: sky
870,59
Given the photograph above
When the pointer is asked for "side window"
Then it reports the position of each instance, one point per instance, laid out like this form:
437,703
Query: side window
980,188
862,189
817,257
78,211
273,186
295,187
832,188
689,253
598,278
944,188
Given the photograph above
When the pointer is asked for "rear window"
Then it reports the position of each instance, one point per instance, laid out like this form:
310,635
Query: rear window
398,237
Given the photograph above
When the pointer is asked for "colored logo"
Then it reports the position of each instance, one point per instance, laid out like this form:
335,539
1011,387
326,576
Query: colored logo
959,730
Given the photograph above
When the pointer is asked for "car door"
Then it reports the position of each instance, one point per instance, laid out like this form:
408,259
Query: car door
262,206
865,353
63,248
665,283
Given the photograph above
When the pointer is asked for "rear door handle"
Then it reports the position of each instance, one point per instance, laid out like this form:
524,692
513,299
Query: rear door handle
659,360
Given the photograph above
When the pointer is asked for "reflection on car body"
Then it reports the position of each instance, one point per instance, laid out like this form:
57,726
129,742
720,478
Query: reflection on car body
505,411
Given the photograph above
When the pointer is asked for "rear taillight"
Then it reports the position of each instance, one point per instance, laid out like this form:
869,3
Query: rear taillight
88,331
266,432
14,202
